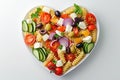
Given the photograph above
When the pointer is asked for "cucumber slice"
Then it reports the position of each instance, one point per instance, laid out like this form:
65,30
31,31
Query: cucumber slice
30,27
45,52
90,47
42,55
36,53
24,26
85,47
34,26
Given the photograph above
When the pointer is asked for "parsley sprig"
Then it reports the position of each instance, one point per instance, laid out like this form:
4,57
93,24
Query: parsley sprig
78,9
36,14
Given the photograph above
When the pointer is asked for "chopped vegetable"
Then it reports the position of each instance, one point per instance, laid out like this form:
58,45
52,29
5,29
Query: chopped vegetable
78,9
36,14
45,17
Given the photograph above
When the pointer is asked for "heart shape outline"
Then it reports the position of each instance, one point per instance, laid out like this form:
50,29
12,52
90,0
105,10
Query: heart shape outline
98,32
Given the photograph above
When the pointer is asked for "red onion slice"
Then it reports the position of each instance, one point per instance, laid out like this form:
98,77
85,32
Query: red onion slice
64,41
67,21
51,36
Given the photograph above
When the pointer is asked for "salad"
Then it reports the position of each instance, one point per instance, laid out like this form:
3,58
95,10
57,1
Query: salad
60,40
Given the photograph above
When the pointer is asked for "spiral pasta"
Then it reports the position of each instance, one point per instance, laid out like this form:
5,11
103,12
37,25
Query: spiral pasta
94,35
67,66
61,56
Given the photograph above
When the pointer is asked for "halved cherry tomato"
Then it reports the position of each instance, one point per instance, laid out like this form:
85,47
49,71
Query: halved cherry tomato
47,44
45,17
61,28
51,66
54,27
90,19
30,39
59,71
76,31
70,57
54,46
64,16
91,27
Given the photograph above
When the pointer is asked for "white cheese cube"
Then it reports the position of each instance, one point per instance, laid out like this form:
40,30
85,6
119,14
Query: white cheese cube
60,22
82,25
37,45
73,15
63,49
87,39
59,63
58,33
68,28
46,9
45,37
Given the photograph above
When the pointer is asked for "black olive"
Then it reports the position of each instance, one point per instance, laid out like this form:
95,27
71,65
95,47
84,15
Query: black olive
42,31
79,45
77,19
57,13
74,24
67,50
40,25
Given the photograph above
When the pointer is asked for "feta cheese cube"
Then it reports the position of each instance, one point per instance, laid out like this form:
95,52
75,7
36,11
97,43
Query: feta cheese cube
46,9
68,28
87,39
63,49
73,15
60,22
58,33
82,25
59,63
45,37
37,45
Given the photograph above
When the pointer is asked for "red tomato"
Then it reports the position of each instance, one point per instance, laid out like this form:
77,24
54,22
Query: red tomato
58,71
76,31
61,28
47,44
51,66
90,19
54,27
54,46
45,17
91,27
70,57
64,16
30,39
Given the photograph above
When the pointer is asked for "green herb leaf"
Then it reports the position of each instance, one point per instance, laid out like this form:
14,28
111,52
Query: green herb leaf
56,36
36,14
78,9
60,47
54,61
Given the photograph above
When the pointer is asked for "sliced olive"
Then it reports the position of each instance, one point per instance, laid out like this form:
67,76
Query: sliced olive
79,45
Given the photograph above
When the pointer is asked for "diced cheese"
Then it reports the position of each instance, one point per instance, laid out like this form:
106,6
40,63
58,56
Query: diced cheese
60,22
68,28
87,39
73,15
82,25
37,45
63,49
58,33
29,21
45,37
46,9
59,63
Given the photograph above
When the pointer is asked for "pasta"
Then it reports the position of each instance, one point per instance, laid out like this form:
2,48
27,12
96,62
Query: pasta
94,35
78,58
67,66
61,56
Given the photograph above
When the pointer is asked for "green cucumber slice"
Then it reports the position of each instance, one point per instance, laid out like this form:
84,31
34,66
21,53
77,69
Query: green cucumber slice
42,55
90,47
45,52
24,26
36,53
34,26
30,28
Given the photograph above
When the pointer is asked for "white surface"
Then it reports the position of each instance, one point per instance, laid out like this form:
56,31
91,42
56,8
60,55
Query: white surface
16,63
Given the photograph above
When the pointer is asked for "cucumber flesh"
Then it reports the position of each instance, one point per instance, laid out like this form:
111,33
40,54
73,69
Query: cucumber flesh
24,26
30,28
36,53
42,56
90,47
34,26
45,52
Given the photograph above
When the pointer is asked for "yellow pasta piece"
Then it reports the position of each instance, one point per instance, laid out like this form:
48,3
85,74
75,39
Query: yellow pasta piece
69,10
67,66
84,12
78,58
49,58
61,56
94,35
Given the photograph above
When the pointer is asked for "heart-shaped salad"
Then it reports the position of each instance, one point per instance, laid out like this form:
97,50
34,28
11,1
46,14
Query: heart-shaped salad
60,40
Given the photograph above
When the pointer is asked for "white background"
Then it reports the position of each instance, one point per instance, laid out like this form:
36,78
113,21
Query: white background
16,62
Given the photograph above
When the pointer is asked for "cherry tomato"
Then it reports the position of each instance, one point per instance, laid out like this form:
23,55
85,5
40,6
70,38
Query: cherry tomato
45,17
90,19
70,57
30,39
47,44
76,31
64,16
51,66
61,28
54,27
54,46
58,71
91,27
